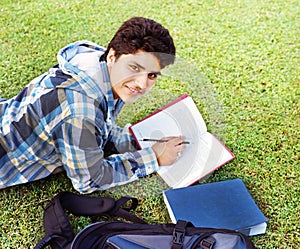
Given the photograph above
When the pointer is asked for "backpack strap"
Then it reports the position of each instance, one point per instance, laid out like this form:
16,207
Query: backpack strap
179,233
124,212
58,229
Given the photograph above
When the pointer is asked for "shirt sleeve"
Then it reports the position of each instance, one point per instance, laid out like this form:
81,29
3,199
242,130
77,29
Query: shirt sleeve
122,139
80,146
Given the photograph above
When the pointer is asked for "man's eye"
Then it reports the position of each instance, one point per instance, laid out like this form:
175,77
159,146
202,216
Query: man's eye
134,68
152,76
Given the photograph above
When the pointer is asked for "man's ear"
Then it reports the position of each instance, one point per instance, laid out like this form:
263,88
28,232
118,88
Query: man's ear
111,56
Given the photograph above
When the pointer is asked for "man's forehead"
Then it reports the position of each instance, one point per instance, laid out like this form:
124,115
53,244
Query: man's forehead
144,60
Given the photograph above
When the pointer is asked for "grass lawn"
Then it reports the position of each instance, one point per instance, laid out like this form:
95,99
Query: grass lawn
240,62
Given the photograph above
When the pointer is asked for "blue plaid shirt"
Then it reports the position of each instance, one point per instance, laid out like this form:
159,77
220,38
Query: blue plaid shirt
65,119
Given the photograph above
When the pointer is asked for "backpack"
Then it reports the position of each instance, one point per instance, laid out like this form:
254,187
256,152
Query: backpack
136,234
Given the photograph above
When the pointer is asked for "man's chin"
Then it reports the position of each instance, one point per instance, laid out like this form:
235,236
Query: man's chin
130,99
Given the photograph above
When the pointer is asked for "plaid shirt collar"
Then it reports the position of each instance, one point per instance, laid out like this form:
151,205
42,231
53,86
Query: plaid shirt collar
114,106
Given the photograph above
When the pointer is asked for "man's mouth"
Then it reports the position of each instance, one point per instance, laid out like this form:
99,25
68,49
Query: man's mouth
134,90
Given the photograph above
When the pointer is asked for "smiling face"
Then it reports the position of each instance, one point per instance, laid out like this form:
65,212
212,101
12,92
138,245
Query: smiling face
132,75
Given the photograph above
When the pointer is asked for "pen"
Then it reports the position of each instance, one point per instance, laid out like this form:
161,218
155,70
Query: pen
160,140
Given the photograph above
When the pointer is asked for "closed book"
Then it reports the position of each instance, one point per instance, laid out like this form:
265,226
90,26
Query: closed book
225,204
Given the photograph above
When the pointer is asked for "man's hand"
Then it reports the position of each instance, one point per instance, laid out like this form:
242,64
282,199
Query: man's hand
168,152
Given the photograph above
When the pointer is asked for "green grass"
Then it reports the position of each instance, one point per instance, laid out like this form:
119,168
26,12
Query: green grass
248,50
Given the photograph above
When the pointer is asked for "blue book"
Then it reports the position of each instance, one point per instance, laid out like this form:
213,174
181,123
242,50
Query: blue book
226,204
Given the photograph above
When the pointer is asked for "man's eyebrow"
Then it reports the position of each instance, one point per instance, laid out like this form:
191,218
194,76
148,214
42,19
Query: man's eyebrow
140,66
158,73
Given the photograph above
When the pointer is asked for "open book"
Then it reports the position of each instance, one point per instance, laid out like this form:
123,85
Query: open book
204,153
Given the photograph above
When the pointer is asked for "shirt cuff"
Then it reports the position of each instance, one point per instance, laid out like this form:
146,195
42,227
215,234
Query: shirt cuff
147,162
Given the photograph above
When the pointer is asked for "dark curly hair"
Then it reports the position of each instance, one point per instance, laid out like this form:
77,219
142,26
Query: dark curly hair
139,33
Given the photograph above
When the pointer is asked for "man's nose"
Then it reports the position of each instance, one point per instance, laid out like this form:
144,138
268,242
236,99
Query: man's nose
142,80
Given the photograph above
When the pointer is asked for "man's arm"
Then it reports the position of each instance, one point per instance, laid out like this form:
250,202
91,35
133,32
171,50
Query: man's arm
80,147
122,139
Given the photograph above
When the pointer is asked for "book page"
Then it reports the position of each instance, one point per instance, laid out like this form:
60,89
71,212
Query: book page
180,119
198,160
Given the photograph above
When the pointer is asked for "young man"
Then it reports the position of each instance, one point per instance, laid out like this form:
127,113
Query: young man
65,118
